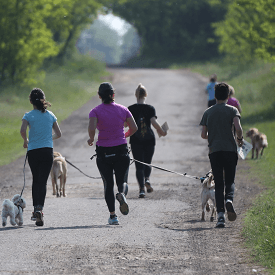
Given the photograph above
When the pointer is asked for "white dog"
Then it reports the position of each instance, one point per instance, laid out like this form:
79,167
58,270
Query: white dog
13,209
208,192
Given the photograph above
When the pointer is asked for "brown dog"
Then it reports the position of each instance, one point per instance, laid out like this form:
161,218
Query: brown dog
258,140
59,171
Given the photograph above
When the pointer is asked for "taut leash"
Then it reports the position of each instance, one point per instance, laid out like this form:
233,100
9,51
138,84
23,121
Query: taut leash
81,171
134,160
24,174
166,170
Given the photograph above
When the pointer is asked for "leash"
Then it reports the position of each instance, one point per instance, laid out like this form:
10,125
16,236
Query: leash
81,171
166,170
24,174
134,160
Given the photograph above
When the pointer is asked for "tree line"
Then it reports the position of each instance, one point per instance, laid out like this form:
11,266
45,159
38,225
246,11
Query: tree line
32,31
203,29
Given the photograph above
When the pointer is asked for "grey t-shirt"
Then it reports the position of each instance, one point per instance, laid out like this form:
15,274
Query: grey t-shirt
219,119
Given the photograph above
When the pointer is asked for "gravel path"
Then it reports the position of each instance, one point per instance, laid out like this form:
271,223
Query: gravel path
163,233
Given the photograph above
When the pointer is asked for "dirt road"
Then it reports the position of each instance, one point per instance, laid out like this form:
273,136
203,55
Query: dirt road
163,233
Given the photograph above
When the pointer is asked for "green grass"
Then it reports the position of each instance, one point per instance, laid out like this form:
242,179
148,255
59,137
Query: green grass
67,88
254,85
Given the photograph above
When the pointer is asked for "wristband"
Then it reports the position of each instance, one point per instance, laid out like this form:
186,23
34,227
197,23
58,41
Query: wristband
240,138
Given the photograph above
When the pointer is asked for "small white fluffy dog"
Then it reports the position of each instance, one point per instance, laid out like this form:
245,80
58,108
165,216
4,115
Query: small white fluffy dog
13,209
208,192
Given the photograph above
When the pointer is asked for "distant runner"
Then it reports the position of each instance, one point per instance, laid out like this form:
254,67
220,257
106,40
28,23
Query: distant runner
143,141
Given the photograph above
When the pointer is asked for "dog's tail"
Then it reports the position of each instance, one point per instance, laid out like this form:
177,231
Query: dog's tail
60,167
264,140
59,162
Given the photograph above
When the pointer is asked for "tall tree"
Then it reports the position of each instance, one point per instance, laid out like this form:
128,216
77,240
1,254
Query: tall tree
248,30
68,18
34,30
25,39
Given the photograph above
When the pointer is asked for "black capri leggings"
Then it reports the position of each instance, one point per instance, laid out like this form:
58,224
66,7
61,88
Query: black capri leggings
109,160
40,161
145,154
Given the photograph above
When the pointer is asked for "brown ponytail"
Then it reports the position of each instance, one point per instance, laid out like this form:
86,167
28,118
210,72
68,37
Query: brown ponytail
37,97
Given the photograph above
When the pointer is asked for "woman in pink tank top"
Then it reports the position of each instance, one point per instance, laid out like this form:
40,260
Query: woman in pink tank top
111,147
232,100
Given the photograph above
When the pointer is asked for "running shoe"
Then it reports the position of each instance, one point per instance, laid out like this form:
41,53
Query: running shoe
33,217
148,186
39,218
124,208
231,214
141,194
221,220
113,221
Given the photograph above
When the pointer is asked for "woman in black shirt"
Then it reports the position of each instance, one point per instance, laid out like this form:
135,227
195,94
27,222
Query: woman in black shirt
143,141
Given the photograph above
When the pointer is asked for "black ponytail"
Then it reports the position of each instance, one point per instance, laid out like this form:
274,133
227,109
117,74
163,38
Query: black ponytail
106,92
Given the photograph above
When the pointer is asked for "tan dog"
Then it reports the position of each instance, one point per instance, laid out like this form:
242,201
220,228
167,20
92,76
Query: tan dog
258,140
59,171
208,192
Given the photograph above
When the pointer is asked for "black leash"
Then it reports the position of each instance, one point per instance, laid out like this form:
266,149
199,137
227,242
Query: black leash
166,170
133,160
81,171
24,174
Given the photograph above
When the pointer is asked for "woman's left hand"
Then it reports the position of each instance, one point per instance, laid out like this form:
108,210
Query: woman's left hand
90,142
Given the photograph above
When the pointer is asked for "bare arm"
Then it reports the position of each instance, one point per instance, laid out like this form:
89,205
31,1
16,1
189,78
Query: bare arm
91,130
239,130
23,133
57,132
132,126
157,126
204,132
239,108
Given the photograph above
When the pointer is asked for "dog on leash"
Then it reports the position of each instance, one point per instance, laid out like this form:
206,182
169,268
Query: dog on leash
208,193
13,209
258,140
59,171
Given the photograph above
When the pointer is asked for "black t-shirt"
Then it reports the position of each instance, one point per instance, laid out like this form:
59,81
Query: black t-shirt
148,112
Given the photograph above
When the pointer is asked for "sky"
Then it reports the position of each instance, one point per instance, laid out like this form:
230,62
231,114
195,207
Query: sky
115,22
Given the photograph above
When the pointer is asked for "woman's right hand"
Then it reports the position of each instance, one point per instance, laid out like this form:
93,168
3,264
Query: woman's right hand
90,142
25,145
162,132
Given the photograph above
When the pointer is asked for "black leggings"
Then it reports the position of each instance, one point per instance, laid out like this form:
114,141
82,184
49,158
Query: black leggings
109,160
40,161
223,166
145,154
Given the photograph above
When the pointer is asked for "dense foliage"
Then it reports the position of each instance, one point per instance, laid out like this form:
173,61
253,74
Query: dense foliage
174,28
33,30
248,30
